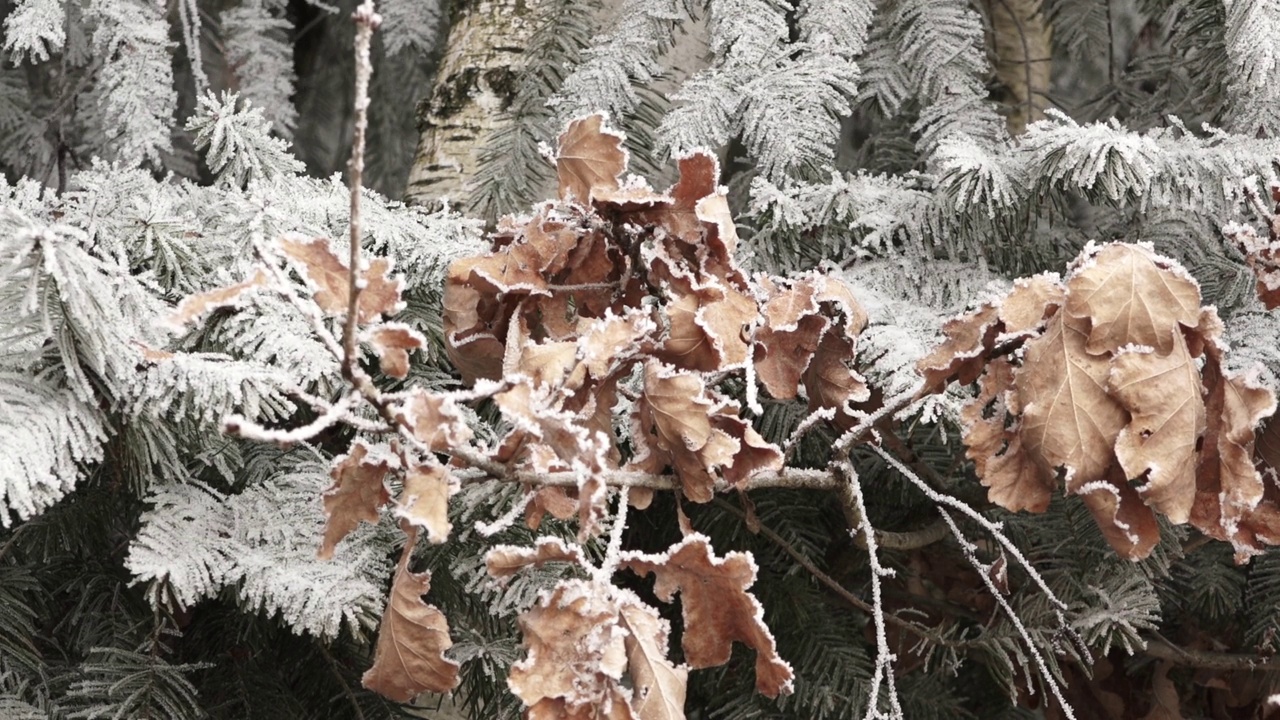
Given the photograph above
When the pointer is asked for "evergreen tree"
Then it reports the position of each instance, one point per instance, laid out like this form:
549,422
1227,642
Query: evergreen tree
195,401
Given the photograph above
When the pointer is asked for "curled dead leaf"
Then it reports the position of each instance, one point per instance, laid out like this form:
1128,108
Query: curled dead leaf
412,639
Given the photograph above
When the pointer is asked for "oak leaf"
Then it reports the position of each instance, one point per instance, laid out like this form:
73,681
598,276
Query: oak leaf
717,608
675,412
1161,393
424,501
393,342
359,490
1014,480
436,420
330,282
590,158
658,686
412,638
1070,422
1131,296
576,652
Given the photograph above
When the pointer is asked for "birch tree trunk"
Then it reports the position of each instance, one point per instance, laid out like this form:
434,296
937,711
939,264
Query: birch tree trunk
474,84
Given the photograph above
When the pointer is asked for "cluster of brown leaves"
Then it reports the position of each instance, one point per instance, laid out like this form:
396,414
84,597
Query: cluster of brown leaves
1112,382
618,290
598,651
613,306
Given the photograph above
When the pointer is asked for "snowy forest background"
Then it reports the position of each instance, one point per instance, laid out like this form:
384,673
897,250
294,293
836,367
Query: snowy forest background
927,152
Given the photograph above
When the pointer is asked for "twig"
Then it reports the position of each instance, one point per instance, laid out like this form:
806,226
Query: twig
337,673
1158,647
883,674
920,631
366,22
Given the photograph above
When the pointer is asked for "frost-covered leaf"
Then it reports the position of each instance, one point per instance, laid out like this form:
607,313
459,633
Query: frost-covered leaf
330,280
424,501
359,491
393,342
718,610
590,159
193,307
505,561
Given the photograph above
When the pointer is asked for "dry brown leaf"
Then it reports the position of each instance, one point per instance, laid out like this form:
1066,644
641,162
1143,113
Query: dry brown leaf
718,610
194,307
658,685
436,420
328,277
1167,417
590,157
559,502
504,561
359,490
1014,481
393,342
1125,521
829,380
964,353
412,638
576,651
676,412
708,326
424,501
1069,422
754,454
1131,296
1165,703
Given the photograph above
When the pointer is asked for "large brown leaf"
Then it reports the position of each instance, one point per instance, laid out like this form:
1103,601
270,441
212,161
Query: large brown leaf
718,610
591,157
1069,421
412,638
1131,296
1162,396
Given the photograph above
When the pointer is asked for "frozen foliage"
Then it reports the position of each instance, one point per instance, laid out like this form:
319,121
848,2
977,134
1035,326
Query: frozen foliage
261,59
35,28
261,542
47,436
136,81
238,145
1252,38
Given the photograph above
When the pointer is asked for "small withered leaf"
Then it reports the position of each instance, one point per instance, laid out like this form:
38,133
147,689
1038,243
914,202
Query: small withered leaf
330,282
424,501
436,420
194,307
393,342
359,490
504,561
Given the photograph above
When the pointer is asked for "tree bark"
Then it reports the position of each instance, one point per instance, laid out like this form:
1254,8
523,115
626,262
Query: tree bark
1024,58
474,84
